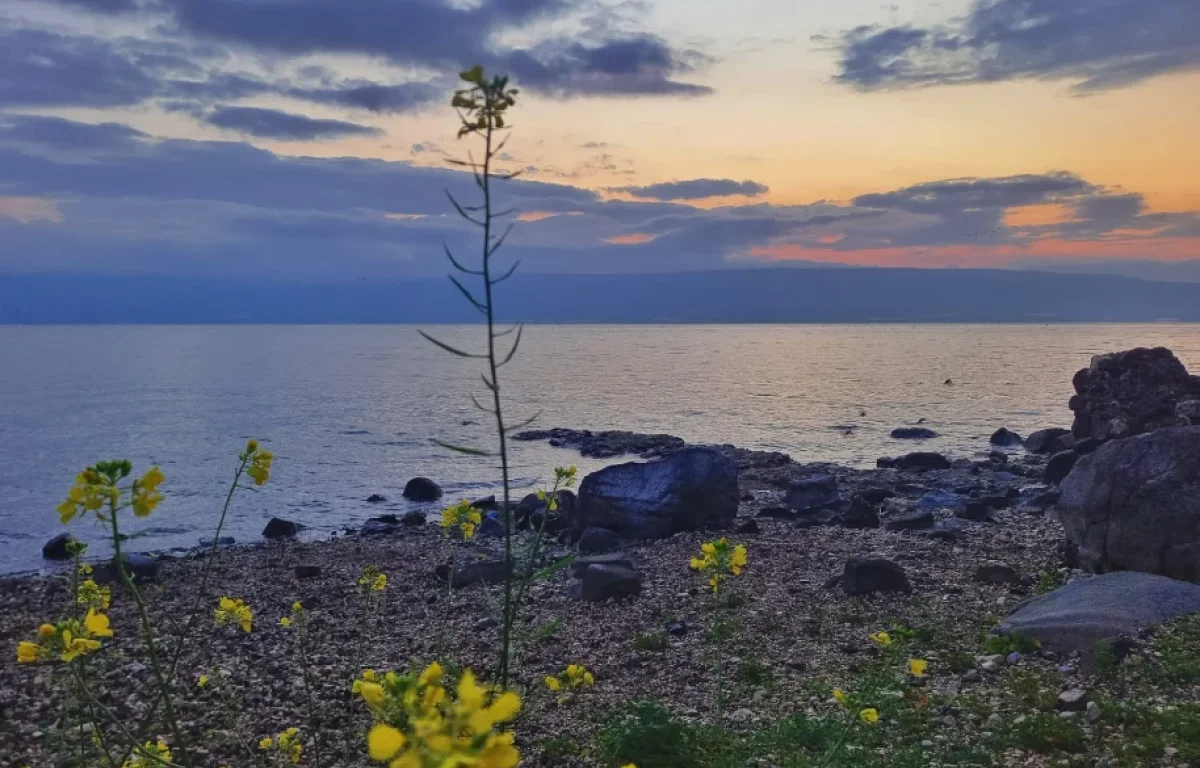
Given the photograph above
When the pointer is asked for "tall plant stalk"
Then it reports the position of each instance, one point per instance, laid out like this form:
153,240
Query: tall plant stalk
482,104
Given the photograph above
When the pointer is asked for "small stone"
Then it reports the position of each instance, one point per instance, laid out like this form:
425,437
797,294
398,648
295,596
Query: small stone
1014,658
1072,700
1092,713
677,628
1170,752
997,573
759,695
1067,715
485,624
972,676
927,744
307,571
742,715
990,667
376,498
413,518
595,541
748,528
864,575
994,721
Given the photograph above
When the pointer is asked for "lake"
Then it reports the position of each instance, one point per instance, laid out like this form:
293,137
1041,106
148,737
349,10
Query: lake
351,410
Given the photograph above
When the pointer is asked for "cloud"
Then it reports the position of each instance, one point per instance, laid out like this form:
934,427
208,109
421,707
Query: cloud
274,124
959,195
1097,45
30,209
45,69
374,97
696,189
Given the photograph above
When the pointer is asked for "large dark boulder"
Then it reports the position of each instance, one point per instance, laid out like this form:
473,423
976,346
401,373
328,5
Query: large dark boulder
422,489
919,462
913,433
864,575
58,548
1059,466
1130,393
691,489
1050,440
1077,616
1005,438
1134,505
278,528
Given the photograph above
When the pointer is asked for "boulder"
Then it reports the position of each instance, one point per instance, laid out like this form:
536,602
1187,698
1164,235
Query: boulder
1188,413
58,547
376,498
691,489
864,575
921,461
748,528
860,514
619,559
1135,504
278,528
942,499
1050,440
811,493
379,526
1005,438
413,518
596,540
1077,616
479,571
1059,466
140,567
1130,393
604,582
913,433
422,489
998,573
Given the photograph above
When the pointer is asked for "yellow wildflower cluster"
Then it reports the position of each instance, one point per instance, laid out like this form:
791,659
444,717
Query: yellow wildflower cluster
67,640
869,715
720,560
288,743
573,677
462,517
373,579
233,611
882,639
96,488
420,725
260,462
917,667
149,754
93,595
297,611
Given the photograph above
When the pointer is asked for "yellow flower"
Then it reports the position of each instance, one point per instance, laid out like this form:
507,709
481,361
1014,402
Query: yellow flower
97,624
462,517
553,684
251,446
93,595
149,754
841,697
202,681
917,667
297,607
380,583
372,693
383,742
870,715
46,631
882,639
266,742
260,464
719,560
28,653
74,647
285,622
233,611
432,673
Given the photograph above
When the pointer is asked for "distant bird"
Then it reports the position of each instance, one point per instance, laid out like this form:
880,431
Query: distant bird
862,412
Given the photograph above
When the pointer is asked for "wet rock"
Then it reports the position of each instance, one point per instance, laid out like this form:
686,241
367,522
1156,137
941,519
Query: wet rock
619,559
1076,616
913,433
1048,440
223,541
691,489
604,445
57,547
413,518
477,572
748,528
921,461
486,503
376,498
307,571
865,575
1059,466
998,573
1130,393
1072,700
1188,413
1135,504
598,583
278,528
596,540
422,489
141,567
379,526
860,514
912,520
1006,438
817,492
941,499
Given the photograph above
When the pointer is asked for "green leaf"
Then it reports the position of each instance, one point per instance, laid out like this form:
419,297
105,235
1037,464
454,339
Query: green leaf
459,448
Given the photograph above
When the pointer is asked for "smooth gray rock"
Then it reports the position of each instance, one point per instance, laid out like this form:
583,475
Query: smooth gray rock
1059,466
598,540
1048,440
812,493
691,489
1134,504
1078,615
598,583
480,571
581,564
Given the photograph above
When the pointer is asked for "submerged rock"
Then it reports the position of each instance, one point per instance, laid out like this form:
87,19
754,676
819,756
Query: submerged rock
1006,438
1077,616
1135,504
278,528
913,433
422,489
691,489
57,548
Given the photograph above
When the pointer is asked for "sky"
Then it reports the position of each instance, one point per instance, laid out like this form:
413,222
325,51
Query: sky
307,139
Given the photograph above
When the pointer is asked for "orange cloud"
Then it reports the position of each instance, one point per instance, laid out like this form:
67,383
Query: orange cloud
637,238
27,210
1038,215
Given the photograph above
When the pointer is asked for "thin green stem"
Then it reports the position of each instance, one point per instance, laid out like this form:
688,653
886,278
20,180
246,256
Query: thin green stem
838,746
95,703
164,686
440,650
314,721
532,553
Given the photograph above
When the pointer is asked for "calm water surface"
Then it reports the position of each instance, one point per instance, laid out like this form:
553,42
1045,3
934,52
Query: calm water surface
350,410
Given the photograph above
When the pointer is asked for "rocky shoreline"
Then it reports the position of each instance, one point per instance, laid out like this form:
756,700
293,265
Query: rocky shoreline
950,546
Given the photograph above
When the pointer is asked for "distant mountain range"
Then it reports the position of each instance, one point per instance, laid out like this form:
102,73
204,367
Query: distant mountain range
834,295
